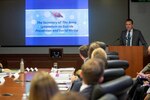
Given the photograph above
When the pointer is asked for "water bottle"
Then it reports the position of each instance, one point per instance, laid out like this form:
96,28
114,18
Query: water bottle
24,97
22,65
55,65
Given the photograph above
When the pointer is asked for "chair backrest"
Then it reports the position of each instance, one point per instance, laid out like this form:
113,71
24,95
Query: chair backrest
117,87
112,57
118,64
112,53
108,97
111,74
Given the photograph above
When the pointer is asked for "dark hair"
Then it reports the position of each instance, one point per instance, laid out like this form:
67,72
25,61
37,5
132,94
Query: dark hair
84,50
127,20
92,47
101,44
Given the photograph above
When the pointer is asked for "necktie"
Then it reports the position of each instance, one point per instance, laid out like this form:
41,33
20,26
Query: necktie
128,39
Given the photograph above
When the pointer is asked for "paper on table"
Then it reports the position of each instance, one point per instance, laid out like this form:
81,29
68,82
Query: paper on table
63,81
61,78
4,74
66,70
62,86
63,89
2,80
16,75
13,71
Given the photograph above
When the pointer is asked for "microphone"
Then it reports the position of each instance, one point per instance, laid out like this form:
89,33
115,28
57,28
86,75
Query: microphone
113,42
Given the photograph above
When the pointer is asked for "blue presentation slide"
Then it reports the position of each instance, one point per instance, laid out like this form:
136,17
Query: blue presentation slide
57,22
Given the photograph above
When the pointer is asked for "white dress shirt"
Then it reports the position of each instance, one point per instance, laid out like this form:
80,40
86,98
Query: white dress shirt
84,86
131,36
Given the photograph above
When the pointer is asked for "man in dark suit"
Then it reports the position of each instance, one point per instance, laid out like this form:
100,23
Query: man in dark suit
131,36
92,73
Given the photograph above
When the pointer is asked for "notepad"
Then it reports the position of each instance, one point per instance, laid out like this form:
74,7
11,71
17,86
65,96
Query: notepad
66,70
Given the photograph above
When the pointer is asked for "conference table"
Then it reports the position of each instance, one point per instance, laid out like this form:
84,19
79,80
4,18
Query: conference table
14,89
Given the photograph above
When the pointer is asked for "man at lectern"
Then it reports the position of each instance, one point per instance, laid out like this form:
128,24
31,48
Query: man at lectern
131,36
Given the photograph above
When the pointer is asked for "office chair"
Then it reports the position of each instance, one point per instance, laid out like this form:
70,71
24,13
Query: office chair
117,87
112,53
112,57
111,74
117,64
108,97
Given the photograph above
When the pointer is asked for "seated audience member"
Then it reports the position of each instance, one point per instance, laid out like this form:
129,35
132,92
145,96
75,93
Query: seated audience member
77,76
92,47
145,79
43,87
99,53
144,83
146,68
83,52
92,73
68,96
101,44
78,73
141,85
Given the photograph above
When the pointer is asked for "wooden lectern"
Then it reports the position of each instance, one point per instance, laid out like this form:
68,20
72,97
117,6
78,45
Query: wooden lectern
134,55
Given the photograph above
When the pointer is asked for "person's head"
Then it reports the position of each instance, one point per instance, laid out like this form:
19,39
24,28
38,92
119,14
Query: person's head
83,51
92,47
101,44
92,71
68,96
99,53
129,24
43,87
78,73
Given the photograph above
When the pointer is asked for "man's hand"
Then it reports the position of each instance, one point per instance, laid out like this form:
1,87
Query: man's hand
73,78
141,75
146,83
